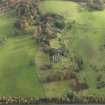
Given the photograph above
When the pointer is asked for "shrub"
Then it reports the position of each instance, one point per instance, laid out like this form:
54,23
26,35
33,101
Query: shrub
96,4
46,67
59,24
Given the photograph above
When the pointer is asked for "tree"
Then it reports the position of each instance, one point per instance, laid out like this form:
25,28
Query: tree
27,8
22,24
96,4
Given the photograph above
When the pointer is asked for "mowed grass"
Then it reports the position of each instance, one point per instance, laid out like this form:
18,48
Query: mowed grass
85,39
18,76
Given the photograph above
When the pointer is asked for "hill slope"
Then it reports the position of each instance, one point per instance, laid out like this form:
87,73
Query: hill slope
18,75
85,38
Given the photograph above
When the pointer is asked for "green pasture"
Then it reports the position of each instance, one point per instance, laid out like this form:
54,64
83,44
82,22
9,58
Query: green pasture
18,76
85,39
20,58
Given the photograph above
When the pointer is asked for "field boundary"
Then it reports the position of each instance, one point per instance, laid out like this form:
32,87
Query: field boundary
62,100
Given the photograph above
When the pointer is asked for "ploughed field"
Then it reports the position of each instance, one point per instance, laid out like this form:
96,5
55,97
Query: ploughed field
20,59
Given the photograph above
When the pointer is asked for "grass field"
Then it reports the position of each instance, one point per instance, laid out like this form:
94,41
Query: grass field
18,77
85,38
